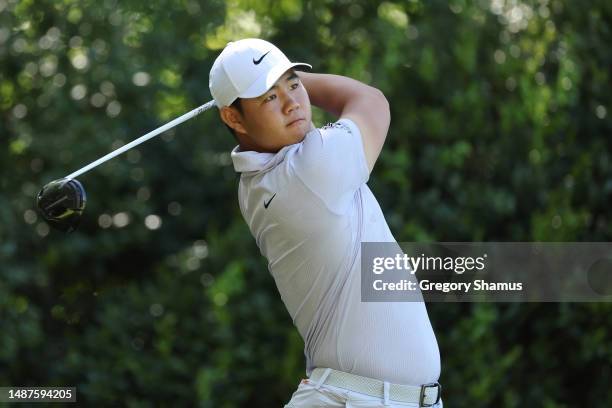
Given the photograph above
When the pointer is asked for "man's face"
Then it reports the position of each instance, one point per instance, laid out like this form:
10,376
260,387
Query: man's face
278,118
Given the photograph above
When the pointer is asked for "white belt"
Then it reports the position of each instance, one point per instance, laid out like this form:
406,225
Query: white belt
426,395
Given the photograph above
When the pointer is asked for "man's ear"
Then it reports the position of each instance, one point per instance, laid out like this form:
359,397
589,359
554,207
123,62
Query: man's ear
232,118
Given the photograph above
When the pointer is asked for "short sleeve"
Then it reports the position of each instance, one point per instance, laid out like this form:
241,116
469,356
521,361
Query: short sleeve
331,163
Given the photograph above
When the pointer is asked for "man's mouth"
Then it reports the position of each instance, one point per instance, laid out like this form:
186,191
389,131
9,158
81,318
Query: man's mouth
295,122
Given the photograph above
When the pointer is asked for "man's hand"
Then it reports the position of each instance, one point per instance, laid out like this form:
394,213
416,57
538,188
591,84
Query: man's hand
361,103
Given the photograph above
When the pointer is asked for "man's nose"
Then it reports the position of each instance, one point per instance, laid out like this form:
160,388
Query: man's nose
291,103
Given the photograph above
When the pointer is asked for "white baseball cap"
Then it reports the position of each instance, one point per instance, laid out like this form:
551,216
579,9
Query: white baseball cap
247,69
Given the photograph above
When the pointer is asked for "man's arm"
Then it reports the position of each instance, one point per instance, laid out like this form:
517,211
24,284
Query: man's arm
348,98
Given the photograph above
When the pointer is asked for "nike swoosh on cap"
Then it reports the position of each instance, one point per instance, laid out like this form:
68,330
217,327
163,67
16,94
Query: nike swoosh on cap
256,62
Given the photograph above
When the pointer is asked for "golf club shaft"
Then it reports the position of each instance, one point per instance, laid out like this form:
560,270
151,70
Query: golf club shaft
144,138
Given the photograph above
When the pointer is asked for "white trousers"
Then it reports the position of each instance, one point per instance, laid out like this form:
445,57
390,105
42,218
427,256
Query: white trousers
308,396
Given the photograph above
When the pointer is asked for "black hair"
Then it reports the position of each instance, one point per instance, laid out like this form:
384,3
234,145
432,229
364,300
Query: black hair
237,104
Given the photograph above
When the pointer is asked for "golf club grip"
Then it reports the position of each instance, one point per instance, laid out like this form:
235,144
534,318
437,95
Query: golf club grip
144,138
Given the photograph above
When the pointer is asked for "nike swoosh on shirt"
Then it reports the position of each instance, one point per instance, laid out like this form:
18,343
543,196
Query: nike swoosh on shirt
269,201
256,62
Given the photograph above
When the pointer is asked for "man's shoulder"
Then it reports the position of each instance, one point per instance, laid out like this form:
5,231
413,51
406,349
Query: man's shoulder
339,125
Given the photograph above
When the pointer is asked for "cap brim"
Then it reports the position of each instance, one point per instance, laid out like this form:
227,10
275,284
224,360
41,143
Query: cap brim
265,82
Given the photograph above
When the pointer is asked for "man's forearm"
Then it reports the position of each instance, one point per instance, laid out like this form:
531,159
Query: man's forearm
332,93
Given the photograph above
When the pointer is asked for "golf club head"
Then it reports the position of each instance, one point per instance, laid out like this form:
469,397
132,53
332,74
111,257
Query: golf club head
61,203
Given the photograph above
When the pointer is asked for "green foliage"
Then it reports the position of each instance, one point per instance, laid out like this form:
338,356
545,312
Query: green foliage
500,131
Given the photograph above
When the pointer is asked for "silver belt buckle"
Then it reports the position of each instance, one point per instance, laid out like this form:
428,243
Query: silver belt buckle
422,396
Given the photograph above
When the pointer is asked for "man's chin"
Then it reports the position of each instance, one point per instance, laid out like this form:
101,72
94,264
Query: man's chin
302,136
304,128
298,134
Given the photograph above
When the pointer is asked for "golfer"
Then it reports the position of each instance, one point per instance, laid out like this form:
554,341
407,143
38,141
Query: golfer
304,196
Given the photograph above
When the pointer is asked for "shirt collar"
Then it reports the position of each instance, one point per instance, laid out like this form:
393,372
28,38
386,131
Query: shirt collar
250,160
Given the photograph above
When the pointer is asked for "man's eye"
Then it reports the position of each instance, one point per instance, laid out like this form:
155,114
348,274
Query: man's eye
270,98
295,86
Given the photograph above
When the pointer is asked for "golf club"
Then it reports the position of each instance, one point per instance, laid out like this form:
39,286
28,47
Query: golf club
61,202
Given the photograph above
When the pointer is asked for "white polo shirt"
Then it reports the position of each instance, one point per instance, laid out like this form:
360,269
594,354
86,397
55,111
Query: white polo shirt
309,208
